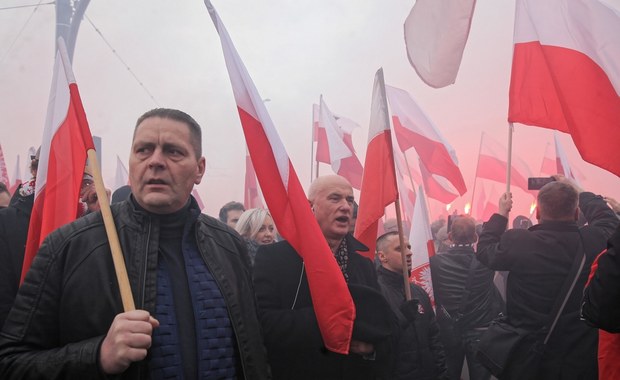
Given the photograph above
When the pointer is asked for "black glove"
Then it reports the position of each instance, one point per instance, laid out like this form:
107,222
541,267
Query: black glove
410,309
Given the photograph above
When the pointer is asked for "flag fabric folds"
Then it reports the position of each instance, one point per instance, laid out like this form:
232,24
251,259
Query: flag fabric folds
566,76
436,32
66,140
4,173
251,194
340,147
17,175
379,187
492,164
121,176
422,246
413,128
288,204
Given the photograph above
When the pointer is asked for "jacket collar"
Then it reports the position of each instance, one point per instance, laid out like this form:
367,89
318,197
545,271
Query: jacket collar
556,226
354,245
391,278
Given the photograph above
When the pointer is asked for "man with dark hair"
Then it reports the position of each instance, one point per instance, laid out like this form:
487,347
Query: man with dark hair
539,260
230,213
466,298
292,336
189,275
421,354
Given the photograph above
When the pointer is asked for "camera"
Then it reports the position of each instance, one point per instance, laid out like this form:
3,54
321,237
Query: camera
536,183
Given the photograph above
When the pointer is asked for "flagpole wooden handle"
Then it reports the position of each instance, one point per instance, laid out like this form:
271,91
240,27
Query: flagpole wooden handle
110,228
403,249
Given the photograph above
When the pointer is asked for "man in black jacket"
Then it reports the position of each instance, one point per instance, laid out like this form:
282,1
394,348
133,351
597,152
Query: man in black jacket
466,298
539,260
421,354
294,343
14,222
189,275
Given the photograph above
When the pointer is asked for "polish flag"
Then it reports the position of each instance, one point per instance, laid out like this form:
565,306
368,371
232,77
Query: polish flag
436,32
4,173
320,136
66,140
18,177
562,160
414,129
437,187
486,205
422,245
121,177
196,195
565,73
251,194
379,187
288,204
492,164
341,153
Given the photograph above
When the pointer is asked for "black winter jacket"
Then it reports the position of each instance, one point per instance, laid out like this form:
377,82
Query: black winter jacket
70,295
601,298
292,336
539,259
449,271
421,354
14,222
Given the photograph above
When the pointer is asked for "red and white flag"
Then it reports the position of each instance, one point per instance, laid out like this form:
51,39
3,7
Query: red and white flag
552,161
4,173
319,135
121,176
196,195
413,128
251,194
17,175
422,246
437,187
492,164
436,32
340,147
288,204
66,140
485,206
565,73
379,187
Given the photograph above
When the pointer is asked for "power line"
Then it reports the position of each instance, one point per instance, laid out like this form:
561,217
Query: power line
22,29
121,60
27,6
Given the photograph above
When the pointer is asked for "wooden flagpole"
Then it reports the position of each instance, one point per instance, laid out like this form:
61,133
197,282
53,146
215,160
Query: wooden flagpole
403,256
110,228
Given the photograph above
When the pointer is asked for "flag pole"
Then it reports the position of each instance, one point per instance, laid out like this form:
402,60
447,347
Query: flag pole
509,161
403,256
409,171
110,228
473,190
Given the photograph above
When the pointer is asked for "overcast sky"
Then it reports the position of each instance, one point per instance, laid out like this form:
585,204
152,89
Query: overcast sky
294,51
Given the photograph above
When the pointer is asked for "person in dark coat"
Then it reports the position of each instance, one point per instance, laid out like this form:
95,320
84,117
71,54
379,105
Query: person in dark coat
539,259
14,222
190,278
421,353
601,298
463,311
294,344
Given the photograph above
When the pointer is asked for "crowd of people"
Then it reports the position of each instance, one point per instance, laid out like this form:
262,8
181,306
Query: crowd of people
229,298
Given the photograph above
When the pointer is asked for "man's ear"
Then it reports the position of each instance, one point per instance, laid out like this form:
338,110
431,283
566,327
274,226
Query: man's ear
382,257
311,205
537,213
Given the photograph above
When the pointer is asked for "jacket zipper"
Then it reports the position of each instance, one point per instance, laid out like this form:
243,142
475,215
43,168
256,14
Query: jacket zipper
146,261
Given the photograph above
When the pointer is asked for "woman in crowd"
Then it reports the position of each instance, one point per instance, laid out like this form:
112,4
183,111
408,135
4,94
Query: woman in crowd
257,228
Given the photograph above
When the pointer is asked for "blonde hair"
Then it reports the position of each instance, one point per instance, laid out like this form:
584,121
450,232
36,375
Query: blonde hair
251,221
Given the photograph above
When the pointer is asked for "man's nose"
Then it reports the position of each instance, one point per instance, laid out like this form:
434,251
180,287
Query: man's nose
156,160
